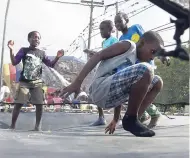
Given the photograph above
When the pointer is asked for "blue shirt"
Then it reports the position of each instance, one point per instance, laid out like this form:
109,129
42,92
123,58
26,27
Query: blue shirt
108,42
134,34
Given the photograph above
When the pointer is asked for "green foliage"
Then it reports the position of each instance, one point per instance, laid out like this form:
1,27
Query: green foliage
176,81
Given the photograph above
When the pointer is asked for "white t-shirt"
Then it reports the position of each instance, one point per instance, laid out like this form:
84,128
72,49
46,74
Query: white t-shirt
100,87
3,90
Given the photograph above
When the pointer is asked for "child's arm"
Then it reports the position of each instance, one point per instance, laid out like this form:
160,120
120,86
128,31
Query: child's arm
52,63
15,59
48,62
112,51
117,112
111,127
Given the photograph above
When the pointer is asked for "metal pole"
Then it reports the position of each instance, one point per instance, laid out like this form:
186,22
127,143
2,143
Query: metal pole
3,41
90,24
117,10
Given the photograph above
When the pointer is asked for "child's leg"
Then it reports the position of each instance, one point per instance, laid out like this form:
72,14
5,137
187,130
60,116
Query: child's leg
101,119
101,112
122,108
21,98
136,96
15,114
154,90
155,114
39,109
37,97
153,111
132,82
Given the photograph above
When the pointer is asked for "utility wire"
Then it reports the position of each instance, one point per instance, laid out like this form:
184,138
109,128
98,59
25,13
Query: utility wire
73,3
83,32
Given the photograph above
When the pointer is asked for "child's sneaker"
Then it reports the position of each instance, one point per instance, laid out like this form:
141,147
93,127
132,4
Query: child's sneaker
99,122
153,122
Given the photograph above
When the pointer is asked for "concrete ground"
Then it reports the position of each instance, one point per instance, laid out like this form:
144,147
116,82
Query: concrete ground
71,136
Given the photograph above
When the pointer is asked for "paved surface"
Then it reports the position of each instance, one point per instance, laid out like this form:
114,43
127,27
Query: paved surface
70,136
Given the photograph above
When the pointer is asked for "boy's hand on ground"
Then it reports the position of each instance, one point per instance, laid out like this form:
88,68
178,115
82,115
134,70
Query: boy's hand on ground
111,127
72,88
10,44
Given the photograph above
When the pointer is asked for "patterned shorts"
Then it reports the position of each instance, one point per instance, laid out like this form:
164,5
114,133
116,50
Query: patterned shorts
122,82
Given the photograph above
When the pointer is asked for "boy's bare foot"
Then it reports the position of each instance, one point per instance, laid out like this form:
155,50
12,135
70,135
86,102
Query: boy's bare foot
37,129
12,127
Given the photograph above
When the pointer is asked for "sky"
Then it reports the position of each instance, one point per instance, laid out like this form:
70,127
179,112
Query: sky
59,24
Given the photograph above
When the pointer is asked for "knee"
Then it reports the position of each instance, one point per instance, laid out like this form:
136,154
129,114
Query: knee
148,76
158,83
147,71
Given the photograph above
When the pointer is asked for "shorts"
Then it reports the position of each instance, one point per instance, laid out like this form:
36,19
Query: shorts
123,80
29,92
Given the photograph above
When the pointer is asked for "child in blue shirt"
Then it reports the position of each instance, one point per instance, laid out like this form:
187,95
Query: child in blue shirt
133,33
106,28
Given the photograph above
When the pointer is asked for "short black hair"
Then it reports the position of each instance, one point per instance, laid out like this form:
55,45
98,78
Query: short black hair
30,34
151,36
123,15
108,23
